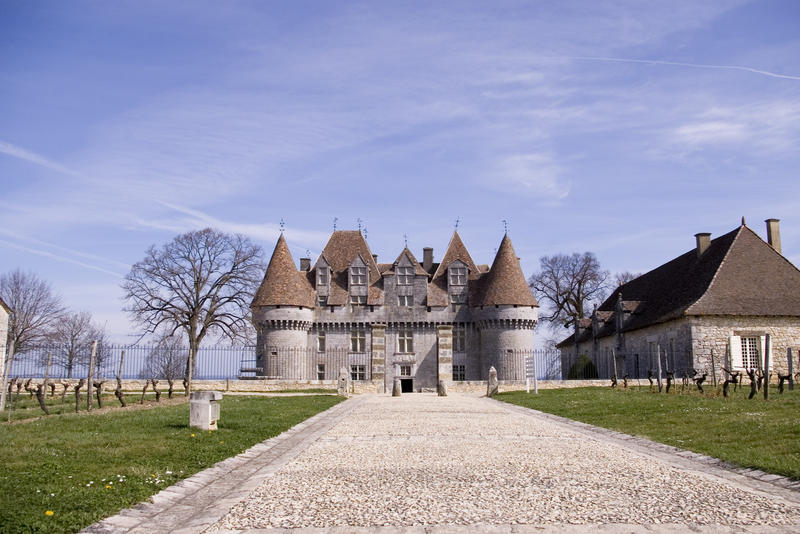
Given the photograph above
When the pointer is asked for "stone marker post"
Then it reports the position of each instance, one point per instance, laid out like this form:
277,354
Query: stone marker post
397,391
492,386
344,383
441,388
204,409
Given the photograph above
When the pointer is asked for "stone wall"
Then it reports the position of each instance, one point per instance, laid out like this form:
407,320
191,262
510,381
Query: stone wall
3,333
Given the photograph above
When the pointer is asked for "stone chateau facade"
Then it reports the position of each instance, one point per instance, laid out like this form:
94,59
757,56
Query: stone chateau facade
420,322
709,308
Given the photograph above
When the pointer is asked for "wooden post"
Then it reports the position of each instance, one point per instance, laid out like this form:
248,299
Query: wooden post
713,370
91,376
767,349
791,374
47,369
614,360
658,366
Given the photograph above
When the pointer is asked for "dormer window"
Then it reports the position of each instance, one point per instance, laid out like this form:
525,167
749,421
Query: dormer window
323,276
358,276
458,275
405,276
358,300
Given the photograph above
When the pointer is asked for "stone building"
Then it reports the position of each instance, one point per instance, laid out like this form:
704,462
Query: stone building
420,322
709,308
5,311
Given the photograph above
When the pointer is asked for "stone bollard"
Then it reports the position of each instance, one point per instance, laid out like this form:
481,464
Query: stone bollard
492,387
344,383
441,388
397,391
204,409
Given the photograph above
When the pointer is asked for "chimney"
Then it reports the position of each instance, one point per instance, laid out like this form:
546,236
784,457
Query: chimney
427,258
305,264
703,240
375,258
774,234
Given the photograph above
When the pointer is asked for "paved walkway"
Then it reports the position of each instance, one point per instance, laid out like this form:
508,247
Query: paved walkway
422,463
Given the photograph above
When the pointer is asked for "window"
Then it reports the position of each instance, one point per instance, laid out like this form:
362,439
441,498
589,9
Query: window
358,372
322,300
358,341
405,340
405,276
750,356
459,373
458,298
320,371
405,300
459,340
358,276
323,276
358,300
321,342
405,370
458,276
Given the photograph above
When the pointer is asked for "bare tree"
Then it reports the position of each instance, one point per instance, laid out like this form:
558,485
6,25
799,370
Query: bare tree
624,277
167,360
35,309
201,282
72,338
567,284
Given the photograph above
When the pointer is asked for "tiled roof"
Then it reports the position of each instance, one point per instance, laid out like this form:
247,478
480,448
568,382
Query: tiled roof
283,284
417,267
340,251
505,284
738,274
437,289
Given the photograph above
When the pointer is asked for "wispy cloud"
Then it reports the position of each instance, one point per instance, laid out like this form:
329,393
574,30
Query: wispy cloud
59,257
32,157
536,175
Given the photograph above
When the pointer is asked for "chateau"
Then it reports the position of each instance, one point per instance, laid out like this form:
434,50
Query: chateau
420,322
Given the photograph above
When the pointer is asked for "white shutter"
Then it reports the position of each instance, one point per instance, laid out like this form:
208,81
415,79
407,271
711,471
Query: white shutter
763,340
735,347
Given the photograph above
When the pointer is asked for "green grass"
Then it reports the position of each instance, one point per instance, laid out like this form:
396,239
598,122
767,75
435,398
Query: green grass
27,407
85,467
322,391
749,433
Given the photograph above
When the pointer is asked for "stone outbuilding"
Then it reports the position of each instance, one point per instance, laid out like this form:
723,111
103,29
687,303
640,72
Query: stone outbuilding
5,313
709,308
420,322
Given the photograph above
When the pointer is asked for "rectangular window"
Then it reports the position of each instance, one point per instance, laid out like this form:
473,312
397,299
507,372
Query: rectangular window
750,352
405,276
358,341
458,298
322,276
321,342
322,300
405,370
459,373
358,372
358,300
405,300
358,276
458,276
320,371
405,340
459,339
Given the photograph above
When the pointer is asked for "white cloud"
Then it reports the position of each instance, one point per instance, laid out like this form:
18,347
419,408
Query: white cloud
535,175
32,157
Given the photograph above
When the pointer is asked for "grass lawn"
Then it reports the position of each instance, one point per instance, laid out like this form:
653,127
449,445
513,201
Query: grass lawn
750,433
85,467
26,407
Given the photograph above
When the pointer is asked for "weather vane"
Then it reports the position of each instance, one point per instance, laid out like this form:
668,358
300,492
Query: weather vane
405,239
283,225
359,223
365,232
335,220
505,226
308,253
458,221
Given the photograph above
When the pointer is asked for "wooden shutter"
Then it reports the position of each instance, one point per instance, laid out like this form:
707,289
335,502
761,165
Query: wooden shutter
735,347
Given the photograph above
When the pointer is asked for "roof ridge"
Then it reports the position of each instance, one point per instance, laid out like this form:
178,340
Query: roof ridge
719,267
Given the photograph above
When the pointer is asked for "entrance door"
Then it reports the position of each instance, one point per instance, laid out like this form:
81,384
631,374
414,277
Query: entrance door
407,385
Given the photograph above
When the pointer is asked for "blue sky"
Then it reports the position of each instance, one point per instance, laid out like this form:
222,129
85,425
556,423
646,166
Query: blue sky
619,127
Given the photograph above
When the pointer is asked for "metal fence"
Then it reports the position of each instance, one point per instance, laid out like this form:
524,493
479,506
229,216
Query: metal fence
232,362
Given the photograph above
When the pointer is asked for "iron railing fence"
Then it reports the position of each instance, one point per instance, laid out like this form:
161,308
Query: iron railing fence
636,366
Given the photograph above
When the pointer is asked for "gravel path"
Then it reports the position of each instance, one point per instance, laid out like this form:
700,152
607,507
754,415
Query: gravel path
464,460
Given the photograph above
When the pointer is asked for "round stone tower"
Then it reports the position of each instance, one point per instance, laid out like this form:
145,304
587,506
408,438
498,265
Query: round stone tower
506,316
283,311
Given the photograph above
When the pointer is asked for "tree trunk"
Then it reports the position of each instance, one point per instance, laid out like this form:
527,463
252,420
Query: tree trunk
190,365
40,396
78,387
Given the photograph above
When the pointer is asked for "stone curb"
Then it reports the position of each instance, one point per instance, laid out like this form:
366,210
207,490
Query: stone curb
197,502
751,478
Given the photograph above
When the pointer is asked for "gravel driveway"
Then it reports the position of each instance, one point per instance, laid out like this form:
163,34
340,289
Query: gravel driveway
464,460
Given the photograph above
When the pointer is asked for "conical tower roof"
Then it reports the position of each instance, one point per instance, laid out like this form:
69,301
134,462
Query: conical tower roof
283,285
504,283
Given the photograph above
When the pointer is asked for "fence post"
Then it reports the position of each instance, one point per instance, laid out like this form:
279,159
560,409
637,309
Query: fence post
90,376
658,356
791,374
767,350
